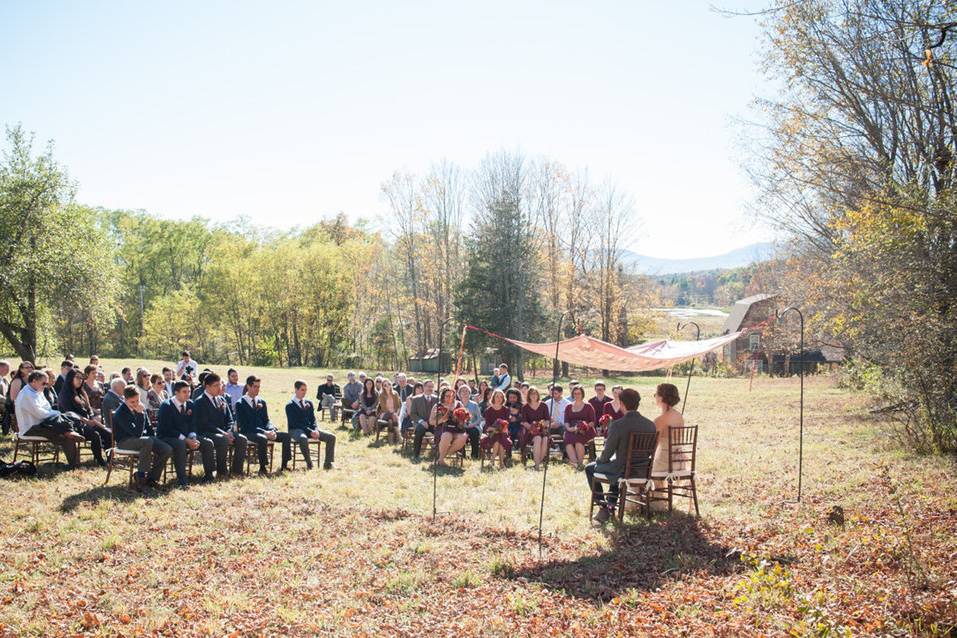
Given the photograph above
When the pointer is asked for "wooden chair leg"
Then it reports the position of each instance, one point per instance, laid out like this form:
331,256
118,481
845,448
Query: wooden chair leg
622,502
109,467
694,496
671,495
16,448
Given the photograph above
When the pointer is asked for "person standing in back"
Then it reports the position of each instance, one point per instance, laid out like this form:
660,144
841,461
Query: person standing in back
611,463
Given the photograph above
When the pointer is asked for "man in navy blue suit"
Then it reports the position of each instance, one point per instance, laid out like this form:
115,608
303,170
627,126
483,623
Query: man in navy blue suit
132,430
176,430
301,422
213,419
252,415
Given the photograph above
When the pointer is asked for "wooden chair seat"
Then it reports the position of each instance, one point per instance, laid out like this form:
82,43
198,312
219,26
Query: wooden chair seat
36,445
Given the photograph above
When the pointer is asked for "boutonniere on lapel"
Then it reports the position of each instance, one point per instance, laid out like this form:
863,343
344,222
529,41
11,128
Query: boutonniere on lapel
259,405
189,413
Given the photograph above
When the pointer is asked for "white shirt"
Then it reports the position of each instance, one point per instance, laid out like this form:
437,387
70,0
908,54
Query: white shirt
503,382
32,408
558,412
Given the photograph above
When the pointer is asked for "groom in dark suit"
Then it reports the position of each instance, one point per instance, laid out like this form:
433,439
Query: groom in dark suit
213,419
611,463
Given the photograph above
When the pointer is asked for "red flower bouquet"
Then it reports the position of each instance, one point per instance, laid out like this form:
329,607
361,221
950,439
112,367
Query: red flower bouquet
461,415
586,429
604,421
539,428
500,427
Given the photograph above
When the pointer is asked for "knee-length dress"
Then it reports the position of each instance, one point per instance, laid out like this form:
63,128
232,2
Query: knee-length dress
531,416
586,415
493,435
613,413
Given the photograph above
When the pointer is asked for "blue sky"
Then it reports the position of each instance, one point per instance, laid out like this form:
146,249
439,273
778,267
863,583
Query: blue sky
287,112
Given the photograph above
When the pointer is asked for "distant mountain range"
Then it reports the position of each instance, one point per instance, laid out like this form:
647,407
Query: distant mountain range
737,258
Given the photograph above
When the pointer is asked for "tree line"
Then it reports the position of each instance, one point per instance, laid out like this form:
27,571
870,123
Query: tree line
508,246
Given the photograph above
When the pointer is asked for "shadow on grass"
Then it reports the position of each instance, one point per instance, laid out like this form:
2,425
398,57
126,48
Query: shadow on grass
117,492
642,556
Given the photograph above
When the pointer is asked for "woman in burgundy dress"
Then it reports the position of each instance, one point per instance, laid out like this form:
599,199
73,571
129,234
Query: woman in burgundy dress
499,442
535,422
579,427
450,435
614,408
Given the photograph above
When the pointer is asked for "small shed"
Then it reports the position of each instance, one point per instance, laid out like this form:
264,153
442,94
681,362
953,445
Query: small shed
428,361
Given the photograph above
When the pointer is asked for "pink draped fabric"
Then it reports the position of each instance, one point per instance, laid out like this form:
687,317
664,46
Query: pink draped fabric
595,353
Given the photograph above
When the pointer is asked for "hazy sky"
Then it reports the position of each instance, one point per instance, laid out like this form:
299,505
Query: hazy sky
287,112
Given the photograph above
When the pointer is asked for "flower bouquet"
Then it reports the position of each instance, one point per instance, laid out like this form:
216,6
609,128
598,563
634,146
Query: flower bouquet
500,427
603,423
539,428
586,429
460,419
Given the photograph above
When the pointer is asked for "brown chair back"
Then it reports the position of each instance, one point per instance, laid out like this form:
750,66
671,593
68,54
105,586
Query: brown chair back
682,447
641,453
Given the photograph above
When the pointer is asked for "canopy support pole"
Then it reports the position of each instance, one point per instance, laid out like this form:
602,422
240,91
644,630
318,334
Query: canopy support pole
697,337
548,454
778,315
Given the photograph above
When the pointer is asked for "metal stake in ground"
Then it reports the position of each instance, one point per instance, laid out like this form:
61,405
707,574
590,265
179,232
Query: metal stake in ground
548,448
778,315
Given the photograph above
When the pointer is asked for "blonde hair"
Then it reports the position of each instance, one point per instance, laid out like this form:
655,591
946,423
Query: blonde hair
496,393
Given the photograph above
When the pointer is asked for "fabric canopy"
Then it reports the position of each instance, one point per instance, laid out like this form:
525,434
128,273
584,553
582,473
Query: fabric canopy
594,353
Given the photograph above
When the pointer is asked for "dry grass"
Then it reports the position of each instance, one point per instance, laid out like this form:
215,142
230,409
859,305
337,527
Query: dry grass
354,552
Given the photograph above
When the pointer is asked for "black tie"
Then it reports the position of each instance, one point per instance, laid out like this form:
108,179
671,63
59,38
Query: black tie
182,409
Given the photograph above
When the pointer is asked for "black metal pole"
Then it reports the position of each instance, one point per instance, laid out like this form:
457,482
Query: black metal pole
435,442
548,449
697,336
801,375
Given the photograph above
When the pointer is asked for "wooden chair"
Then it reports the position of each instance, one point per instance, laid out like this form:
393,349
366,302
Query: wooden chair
252,454
337,404
295,451
171,465
641,450
347,414
406,438
380,425
36,445
118,457
680,477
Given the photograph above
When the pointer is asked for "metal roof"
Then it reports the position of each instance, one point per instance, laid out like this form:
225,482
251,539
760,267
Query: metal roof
740,309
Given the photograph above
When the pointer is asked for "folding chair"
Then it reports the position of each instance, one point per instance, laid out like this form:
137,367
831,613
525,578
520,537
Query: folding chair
680,477
118,457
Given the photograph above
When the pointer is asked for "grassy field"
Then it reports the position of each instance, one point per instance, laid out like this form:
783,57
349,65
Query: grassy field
355,552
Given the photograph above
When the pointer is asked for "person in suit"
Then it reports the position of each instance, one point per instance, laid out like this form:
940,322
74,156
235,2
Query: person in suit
419,410
612,460
132,430
213,419
65,366
252,415
112,400
175,429
301,423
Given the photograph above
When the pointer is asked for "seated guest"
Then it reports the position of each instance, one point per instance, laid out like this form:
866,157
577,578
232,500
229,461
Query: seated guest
74,402
65,366
579,427
143,386
201,386
112,400
419,410
483,397
48,390
504,380
402,387
326,394
133,431
127,374
350,394
473,389
474,426
186,368
513,402
387,409
155,397
368,403
450,433
614,408
404,419
6,406
213,419
666,398
36,417
252,415
234,389
168,379
176,430
556,408
535,424
523,391
496,440
599,400
94,360
611,463
93,389
301,423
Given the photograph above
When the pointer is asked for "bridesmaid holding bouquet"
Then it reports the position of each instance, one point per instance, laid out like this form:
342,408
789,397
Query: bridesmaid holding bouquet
579,427
535,422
